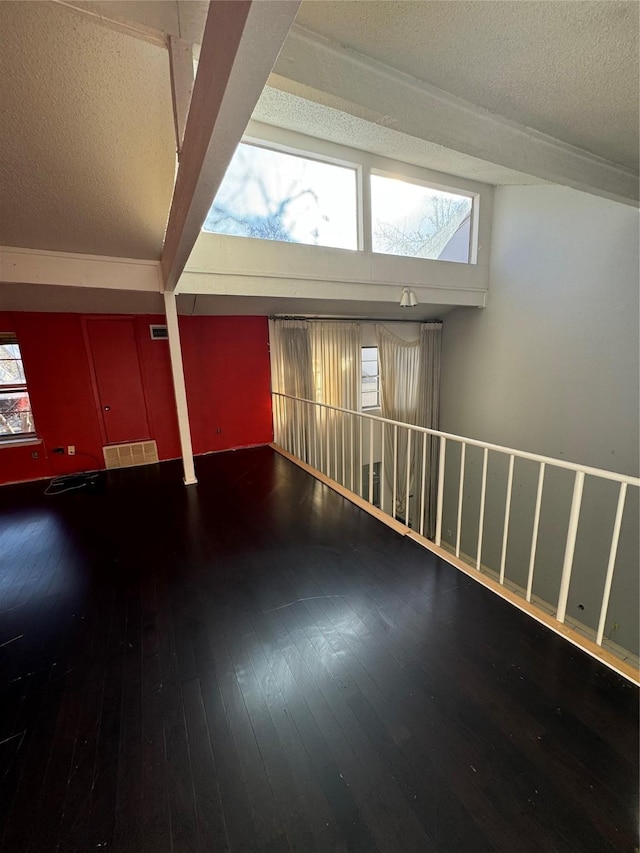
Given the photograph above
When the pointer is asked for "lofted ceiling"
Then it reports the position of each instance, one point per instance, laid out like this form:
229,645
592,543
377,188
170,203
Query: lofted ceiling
87,146
87,141
292,112
567,69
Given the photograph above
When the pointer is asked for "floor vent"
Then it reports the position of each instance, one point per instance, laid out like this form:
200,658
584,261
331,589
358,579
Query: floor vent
128,455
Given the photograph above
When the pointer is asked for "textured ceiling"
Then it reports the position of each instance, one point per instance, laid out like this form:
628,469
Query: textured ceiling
285,110
568,69
87,149
184,19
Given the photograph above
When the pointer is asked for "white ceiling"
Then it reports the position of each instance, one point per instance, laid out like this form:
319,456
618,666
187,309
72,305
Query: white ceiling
86,140
87,149
567,69
285,110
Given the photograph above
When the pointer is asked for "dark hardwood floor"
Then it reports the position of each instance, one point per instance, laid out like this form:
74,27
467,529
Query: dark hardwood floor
254,664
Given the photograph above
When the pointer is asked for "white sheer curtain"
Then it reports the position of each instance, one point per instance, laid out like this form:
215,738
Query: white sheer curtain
321,361
410,390
336,350
399,363
292,373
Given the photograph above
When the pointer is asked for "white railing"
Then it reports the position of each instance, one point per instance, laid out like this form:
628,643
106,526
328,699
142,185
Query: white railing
413,468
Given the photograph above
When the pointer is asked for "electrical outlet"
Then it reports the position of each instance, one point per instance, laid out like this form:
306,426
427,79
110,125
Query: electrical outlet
34,454
71,450
449,534
218,430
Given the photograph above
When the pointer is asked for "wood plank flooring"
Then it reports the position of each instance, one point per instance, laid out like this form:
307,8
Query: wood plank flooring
254,664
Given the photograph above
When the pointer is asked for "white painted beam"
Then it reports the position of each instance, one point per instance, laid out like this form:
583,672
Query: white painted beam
319,70
179,388
36,266
240,45
181,67
336,292
105,16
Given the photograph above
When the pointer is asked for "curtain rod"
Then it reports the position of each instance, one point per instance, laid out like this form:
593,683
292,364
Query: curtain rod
369,320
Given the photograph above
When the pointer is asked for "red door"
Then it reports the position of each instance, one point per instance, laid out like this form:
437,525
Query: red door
117,371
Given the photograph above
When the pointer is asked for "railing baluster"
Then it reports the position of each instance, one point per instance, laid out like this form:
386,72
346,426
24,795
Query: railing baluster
361,492
395,468
343,473
483,495
382,474
612,562
275,408
534,535
370,462
327,460
408,483
463,455
351,466
314,421
441,468
423,479
336,455
507,513
572,532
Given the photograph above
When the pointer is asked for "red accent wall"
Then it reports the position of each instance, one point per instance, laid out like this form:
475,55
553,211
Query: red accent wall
226,362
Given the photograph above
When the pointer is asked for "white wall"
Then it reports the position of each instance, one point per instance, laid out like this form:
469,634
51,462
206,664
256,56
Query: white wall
552,366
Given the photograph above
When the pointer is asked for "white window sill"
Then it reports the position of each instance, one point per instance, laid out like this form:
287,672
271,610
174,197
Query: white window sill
19,442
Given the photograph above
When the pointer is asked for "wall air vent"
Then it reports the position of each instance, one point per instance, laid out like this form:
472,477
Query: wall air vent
158,333
128,455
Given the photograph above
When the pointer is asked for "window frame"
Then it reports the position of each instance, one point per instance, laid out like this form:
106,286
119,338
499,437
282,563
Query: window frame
313,156
11,339
364,408
364,167
431,185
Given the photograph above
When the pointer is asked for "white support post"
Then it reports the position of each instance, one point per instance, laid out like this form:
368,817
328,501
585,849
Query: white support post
177,371
612,562
572,532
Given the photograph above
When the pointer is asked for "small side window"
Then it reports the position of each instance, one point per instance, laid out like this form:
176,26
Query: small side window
370,378
16,419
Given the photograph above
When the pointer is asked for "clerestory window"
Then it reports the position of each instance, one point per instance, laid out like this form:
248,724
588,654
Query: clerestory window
418,221
273,195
